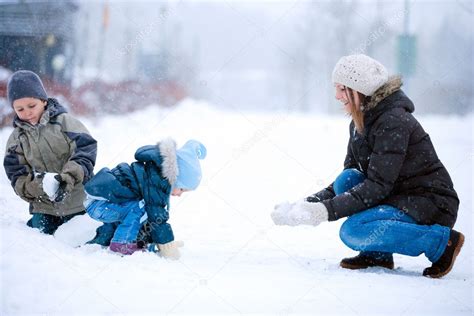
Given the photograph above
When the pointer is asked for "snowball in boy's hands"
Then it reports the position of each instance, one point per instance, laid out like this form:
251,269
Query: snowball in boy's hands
170,250
55,186
50,185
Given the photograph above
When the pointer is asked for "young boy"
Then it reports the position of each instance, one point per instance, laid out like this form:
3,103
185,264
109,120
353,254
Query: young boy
49,155
121,196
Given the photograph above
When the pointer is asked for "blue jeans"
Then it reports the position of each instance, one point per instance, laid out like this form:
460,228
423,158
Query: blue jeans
382,230
125,215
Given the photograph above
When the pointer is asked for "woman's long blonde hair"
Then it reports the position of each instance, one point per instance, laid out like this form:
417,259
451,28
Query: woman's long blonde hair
356,101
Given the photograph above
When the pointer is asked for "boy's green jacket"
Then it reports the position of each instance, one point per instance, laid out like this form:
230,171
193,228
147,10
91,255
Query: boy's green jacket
60,144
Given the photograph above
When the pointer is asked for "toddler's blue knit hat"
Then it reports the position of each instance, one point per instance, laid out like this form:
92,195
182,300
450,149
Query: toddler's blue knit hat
25,84
189,168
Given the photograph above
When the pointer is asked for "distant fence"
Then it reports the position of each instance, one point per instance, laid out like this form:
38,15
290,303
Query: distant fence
98,97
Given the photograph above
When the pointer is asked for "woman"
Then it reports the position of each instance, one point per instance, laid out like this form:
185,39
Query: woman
397,195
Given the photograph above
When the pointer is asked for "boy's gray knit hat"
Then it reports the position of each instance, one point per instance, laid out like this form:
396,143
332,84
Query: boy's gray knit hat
361,73
25,84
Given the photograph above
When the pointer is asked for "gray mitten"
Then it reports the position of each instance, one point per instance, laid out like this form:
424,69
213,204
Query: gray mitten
34,185
66,184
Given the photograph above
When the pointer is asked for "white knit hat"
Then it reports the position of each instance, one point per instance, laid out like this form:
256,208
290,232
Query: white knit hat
361,73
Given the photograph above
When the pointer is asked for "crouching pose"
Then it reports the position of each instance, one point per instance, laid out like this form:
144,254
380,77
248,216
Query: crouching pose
122,196
50,154
396,193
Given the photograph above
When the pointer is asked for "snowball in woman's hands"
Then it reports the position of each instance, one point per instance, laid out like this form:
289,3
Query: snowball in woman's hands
280,213
50,185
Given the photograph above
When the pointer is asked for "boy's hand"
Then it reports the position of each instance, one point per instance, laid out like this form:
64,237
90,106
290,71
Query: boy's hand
170,250
66,184
34,187
71,174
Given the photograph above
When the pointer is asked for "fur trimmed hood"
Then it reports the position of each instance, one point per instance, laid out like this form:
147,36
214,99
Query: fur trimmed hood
393,84
163,154
169,165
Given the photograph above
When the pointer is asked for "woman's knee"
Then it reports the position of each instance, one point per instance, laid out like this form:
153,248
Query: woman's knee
347,179
352,233
364,228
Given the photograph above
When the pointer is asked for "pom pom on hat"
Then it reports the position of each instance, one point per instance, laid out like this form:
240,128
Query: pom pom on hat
361,73
189,168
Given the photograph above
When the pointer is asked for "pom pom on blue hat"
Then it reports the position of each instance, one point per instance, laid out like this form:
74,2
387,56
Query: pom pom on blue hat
189,168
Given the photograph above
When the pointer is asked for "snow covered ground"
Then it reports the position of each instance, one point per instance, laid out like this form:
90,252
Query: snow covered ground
235,261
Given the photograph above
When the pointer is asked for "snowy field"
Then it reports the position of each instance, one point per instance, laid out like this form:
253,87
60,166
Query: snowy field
235,261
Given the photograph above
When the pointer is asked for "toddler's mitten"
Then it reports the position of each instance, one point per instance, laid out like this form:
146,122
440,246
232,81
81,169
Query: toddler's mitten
170,250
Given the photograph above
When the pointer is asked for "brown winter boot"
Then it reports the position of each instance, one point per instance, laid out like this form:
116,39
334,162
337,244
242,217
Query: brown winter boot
362,261
445,263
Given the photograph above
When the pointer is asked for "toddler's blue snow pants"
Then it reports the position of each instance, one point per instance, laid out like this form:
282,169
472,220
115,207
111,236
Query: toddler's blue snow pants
126,215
